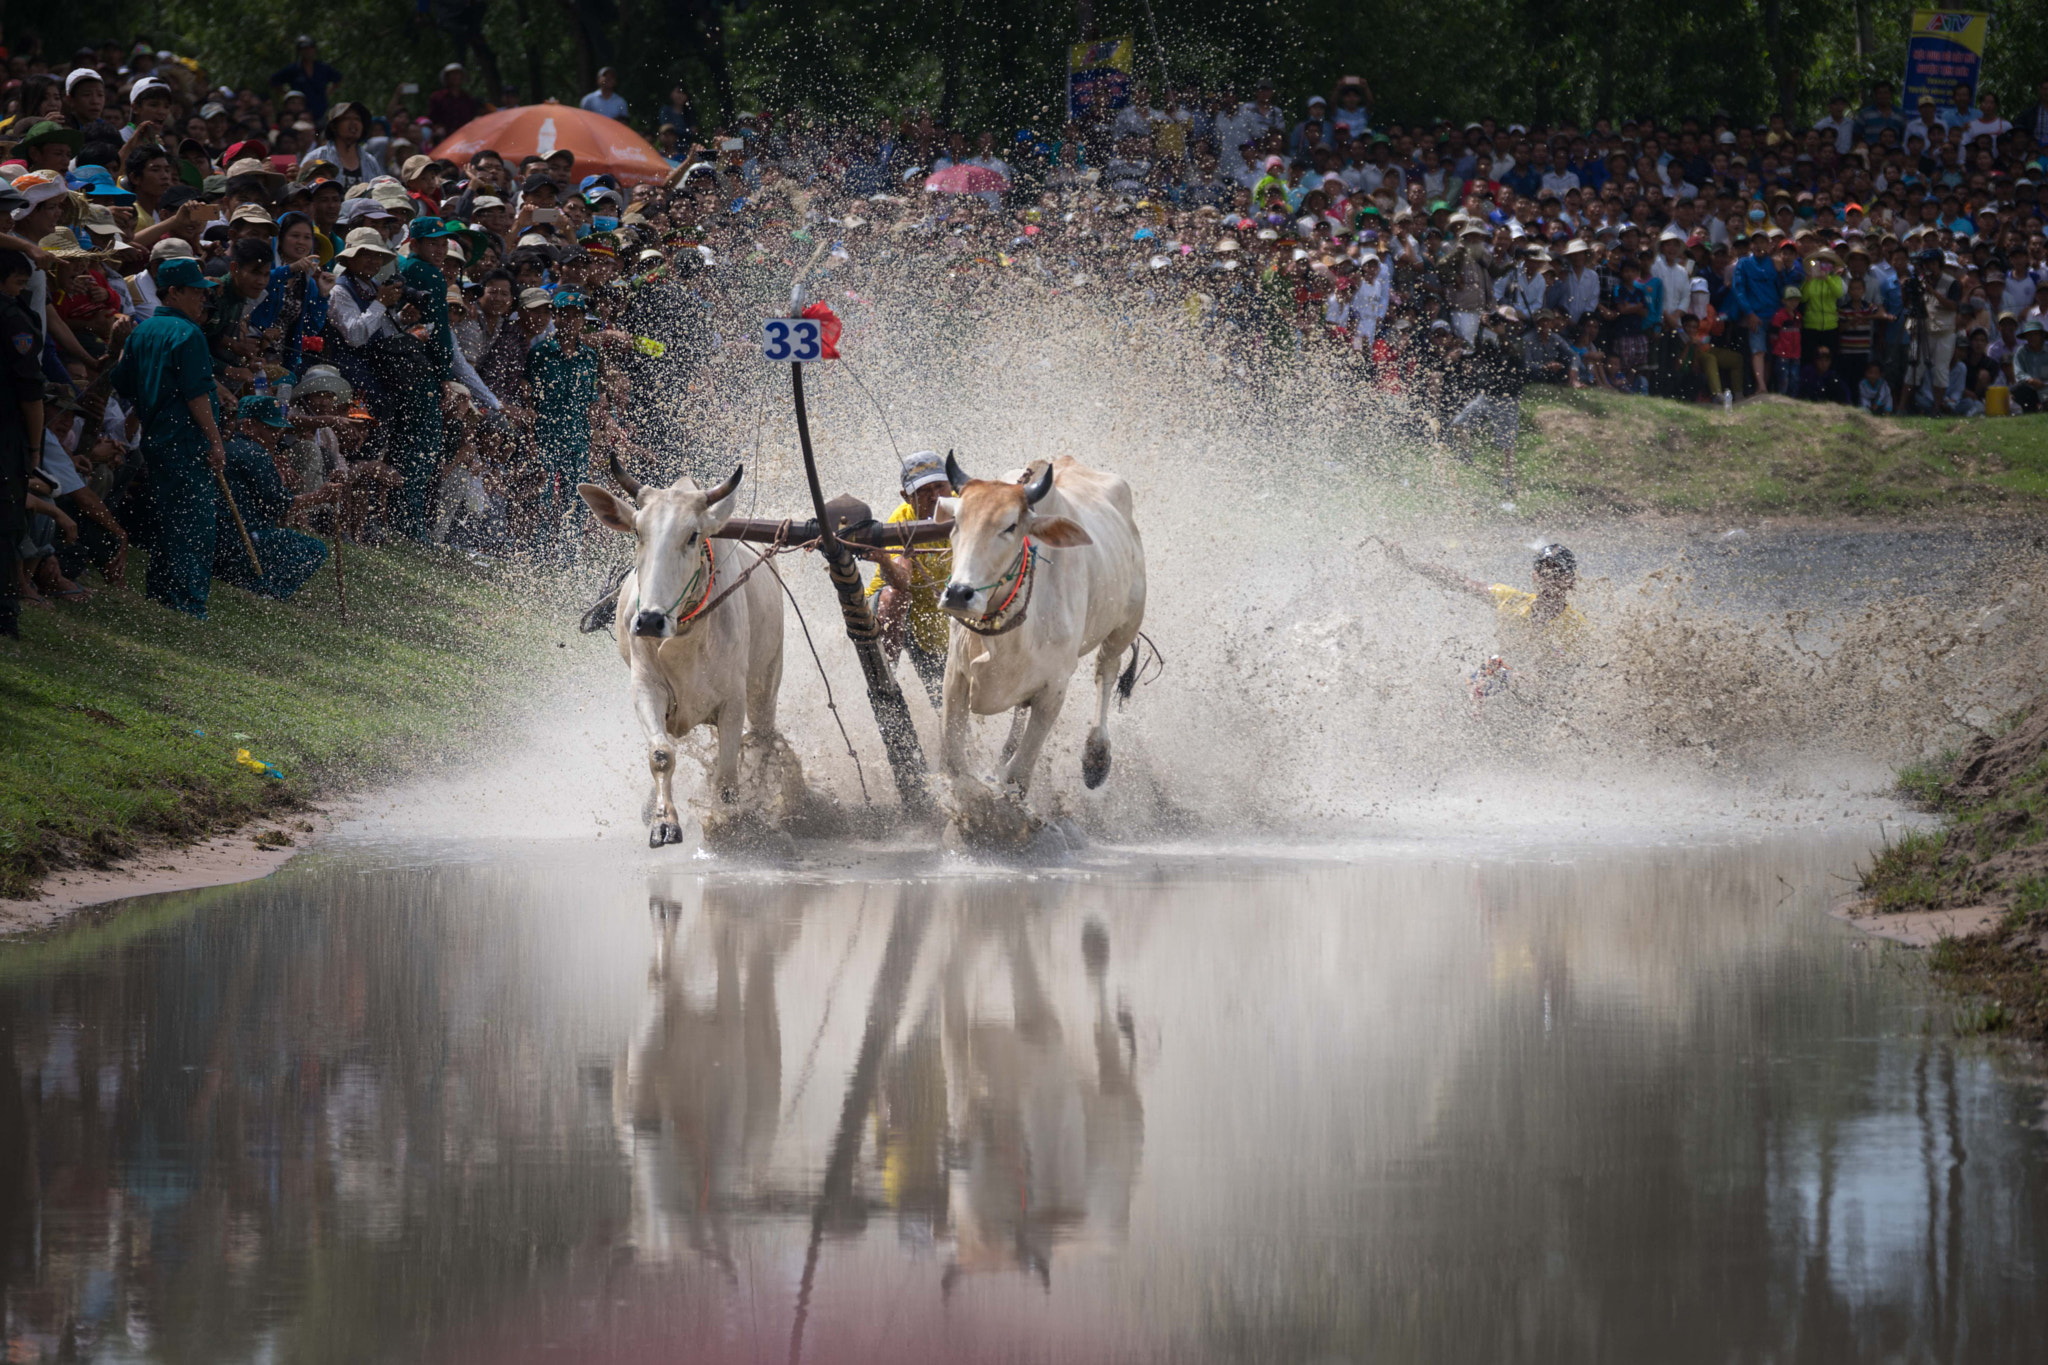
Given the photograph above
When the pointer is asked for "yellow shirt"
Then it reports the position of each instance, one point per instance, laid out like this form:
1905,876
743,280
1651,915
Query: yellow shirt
1513,609
930,568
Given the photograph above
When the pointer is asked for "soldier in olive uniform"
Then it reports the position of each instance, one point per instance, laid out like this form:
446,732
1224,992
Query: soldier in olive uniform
21,425
165,375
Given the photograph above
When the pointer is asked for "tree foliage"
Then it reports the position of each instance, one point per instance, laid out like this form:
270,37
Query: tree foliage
1001,63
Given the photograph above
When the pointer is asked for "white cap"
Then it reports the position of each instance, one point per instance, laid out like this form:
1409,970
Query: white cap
83,73
149,86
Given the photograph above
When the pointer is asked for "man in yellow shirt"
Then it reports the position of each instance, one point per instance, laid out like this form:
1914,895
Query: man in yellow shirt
909,583
1531,624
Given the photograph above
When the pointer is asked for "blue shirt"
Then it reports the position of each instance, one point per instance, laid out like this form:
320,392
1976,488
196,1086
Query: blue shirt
611,106
287,284
1756,289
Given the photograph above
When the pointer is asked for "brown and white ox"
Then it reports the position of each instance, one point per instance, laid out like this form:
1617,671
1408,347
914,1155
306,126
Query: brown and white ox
695,660
1046,569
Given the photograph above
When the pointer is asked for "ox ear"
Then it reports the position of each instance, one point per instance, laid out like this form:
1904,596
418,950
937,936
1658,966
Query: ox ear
612,510
1059,531
946,509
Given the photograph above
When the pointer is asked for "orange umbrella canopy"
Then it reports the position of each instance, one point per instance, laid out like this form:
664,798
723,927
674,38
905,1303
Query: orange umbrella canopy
600,144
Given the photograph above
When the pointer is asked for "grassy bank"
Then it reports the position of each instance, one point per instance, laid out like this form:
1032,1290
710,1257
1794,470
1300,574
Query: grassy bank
1771,456
120,721
1992,851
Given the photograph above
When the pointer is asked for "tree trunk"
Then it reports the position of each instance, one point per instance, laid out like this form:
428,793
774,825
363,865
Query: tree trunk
1783,74
533,65
1866,37
586,60
949,66
714,57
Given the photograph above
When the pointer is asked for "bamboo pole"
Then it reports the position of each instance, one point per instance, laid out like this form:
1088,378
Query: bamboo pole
248,546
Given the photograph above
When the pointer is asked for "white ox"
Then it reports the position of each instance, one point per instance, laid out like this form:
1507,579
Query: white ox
1044,571
696,660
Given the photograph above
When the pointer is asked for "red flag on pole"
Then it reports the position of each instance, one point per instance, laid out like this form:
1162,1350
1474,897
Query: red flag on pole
829,328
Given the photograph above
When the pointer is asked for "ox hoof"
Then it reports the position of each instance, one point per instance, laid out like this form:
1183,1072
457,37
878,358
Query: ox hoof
664,832
1095,761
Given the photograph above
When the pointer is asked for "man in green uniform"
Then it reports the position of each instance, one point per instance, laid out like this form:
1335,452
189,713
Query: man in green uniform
562,369
21,425
289,557
165,375
416,452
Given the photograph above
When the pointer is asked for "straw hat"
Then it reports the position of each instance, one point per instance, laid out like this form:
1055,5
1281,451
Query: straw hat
365,241
62,243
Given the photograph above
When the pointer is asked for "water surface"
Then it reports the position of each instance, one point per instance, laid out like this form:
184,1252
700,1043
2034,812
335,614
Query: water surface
496,1104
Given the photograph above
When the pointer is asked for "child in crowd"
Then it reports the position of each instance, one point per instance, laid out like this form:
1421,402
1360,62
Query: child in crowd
1589,366
1873,395
1858,318
1785,344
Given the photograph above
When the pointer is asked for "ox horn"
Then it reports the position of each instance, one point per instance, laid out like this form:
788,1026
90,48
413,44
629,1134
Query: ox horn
1040,486
955,475
725,490
626,481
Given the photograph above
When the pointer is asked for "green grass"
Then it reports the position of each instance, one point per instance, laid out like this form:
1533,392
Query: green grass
119,719
1926,783
1771,456
1993,851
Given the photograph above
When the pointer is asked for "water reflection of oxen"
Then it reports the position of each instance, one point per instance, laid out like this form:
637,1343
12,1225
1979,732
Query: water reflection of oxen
1046,1140
698,1108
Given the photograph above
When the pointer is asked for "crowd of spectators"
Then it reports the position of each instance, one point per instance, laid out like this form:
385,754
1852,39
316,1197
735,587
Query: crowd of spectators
285,292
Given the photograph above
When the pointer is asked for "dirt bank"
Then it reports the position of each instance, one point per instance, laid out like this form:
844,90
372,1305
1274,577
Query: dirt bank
1986,868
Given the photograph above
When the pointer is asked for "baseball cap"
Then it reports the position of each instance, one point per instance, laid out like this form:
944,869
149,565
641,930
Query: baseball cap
182,272
923,468
262,408
79,76
530,299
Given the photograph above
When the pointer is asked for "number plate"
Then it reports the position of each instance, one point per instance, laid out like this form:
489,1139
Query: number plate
793,341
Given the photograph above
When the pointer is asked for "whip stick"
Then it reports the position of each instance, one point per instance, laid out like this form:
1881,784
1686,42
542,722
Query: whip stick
340,582
892,715
248,545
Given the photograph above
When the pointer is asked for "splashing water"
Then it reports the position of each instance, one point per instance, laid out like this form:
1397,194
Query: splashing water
1313,686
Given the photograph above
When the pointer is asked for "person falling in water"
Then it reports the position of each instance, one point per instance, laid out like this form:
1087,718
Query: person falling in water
909,584
1531,625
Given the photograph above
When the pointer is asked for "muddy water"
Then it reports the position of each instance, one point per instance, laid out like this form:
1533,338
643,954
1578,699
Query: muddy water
497,1104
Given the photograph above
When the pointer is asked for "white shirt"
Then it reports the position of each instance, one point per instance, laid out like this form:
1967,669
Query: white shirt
2020,288
1844,128
1558,182
1131,121
1993,128
1581,291
1677,281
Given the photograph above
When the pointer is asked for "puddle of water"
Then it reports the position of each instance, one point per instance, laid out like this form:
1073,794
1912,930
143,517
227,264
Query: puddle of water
1624,1105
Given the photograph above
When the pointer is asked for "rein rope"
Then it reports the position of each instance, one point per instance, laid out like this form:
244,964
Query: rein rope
1025,577
709,603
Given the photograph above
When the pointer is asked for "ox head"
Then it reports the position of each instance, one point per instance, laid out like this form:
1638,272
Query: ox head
990,522
669,527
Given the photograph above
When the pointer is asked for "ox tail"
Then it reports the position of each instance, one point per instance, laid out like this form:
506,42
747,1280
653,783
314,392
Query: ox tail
1132,671
1129,677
